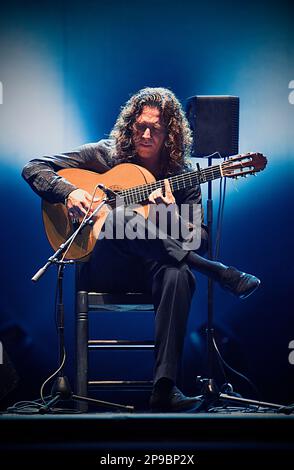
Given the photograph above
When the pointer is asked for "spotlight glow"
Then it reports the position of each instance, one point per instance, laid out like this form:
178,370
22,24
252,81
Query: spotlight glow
36,114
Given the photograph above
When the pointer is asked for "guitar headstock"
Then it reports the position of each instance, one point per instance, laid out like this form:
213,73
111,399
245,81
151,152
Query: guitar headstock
243,165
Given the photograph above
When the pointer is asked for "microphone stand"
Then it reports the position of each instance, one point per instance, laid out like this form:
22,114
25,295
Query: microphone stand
61,389
210,391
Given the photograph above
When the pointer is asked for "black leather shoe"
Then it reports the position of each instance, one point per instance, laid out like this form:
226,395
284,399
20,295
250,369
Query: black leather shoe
174,401
238,283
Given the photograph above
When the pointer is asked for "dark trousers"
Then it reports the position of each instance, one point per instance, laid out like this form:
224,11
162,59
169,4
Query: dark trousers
151,265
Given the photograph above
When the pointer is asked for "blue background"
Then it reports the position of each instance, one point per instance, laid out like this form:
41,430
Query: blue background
66,68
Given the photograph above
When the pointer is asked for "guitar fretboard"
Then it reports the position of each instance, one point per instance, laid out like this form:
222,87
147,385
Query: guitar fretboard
139,194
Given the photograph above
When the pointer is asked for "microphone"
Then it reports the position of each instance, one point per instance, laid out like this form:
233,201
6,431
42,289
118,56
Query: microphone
109,193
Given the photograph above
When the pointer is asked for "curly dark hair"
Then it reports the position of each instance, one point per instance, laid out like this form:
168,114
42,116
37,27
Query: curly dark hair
176,149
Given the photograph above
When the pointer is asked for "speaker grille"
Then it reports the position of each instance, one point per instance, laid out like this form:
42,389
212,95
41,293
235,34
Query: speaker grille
214,121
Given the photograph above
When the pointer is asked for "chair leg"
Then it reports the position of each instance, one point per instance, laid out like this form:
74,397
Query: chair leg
82,348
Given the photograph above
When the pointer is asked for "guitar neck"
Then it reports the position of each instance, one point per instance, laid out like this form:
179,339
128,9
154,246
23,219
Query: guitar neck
139,194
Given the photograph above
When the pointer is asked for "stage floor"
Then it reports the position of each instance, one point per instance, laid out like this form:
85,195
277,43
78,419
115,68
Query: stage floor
147,439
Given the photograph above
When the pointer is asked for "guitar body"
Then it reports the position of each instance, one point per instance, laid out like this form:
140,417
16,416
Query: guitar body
58,225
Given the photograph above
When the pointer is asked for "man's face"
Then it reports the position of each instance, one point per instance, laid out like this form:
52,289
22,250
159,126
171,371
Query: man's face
149,133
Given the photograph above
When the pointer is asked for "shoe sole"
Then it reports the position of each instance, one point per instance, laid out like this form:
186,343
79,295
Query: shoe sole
247,294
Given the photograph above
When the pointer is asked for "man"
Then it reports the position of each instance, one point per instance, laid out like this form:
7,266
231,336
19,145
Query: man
151,131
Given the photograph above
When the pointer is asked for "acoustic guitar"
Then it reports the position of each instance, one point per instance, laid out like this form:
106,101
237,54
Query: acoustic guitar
132,184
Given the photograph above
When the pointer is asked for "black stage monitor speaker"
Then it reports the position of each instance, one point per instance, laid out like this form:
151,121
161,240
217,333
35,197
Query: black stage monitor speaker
214,121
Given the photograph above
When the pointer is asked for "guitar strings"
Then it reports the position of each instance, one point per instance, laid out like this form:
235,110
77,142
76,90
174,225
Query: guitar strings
142,192
175,180
178,181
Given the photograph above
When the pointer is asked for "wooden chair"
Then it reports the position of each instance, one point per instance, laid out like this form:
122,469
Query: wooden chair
88,303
